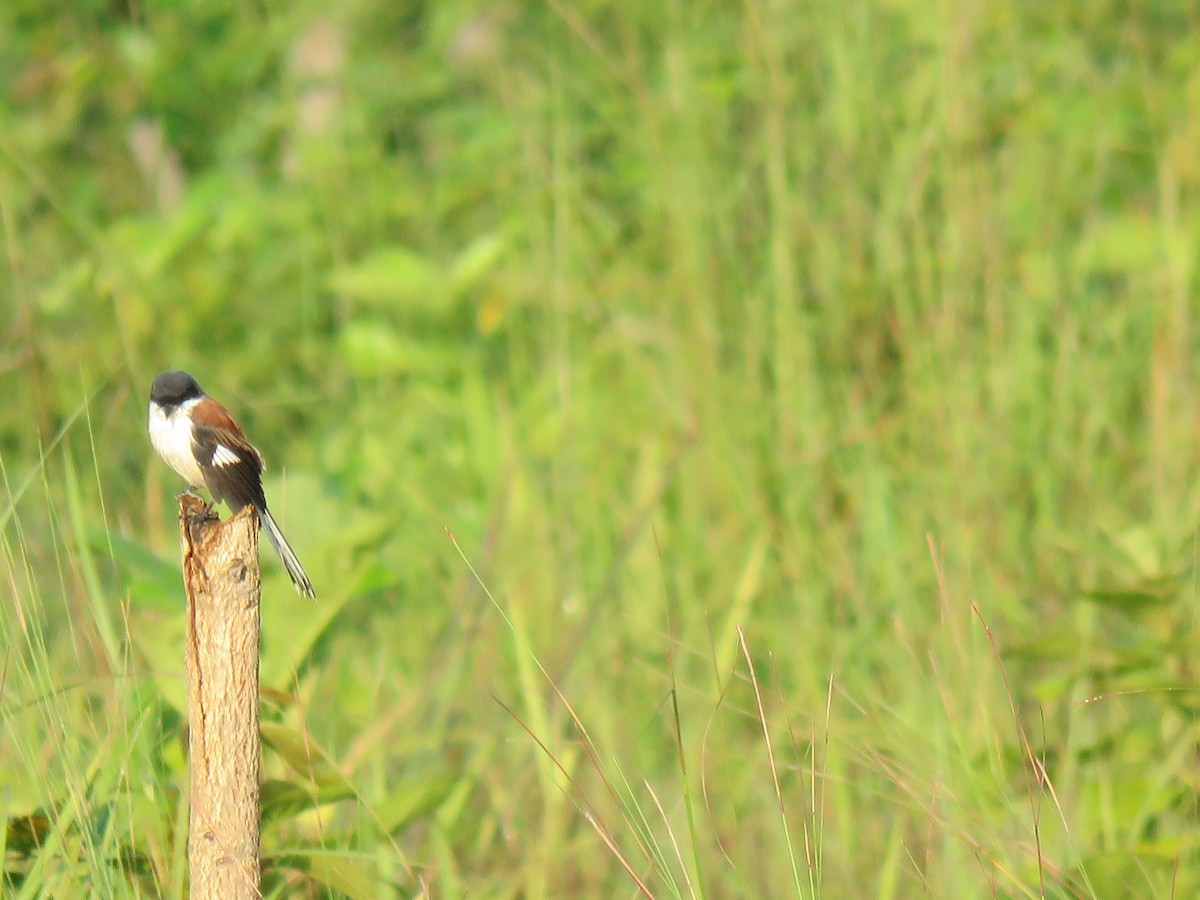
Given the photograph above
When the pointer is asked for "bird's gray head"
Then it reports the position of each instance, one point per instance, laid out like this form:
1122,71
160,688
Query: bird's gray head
173,388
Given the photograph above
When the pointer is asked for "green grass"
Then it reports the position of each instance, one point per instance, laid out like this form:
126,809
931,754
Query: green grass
740,449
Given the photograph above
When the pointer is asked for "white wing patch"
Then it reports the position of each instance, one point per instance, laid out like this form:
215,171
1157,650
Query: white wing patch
223,456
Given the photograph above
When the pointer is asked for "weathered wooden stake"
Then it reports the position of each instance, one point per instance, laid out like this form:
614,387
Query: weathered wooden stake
220,573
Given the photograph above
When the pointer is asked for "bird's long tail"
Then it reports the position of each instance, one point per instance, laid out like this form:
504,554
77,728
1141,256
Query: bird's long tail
286,554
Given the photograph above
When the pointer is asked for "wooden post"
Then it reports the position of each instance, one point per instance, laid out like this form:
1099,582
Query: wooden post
220,573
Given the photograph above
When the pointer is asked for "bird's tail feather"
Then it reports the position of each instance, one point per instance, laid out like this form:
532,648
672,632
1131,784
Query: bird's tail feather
286,555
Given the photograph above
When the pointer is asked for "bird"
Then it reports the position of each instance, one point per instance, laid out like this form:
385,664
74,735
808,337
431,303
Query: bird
198,438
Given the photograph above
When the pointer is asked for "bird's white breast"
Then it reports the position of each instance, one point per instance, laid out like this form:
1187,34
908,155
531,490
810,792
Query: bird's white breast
171,436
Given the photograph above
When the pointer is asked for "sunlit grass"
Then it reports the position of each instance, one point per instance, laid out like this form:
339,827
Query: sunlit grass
809,395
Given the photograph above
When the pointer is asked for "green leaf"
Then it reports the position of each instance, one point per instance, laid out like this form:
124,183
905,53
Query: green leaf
303,755
1055,646
150,580
25,833
341,872
389,277
475,261
280,800
307,623
374,349
1133,599
413,801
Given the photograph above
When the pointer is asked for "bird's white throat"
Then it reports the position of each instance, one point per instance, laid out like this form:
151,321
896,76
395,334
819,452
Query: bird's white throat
171,436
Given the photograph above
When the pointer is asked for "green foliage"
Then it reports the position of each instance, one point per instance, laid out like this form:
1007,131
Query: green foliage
810,389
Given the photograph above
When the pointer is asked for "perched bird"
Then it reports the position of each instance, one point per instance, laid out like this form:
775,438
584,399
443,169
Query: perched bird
199,439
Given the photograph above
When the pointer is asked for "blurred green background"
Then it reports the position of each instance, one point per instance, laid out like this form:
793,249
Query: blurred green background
741,449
